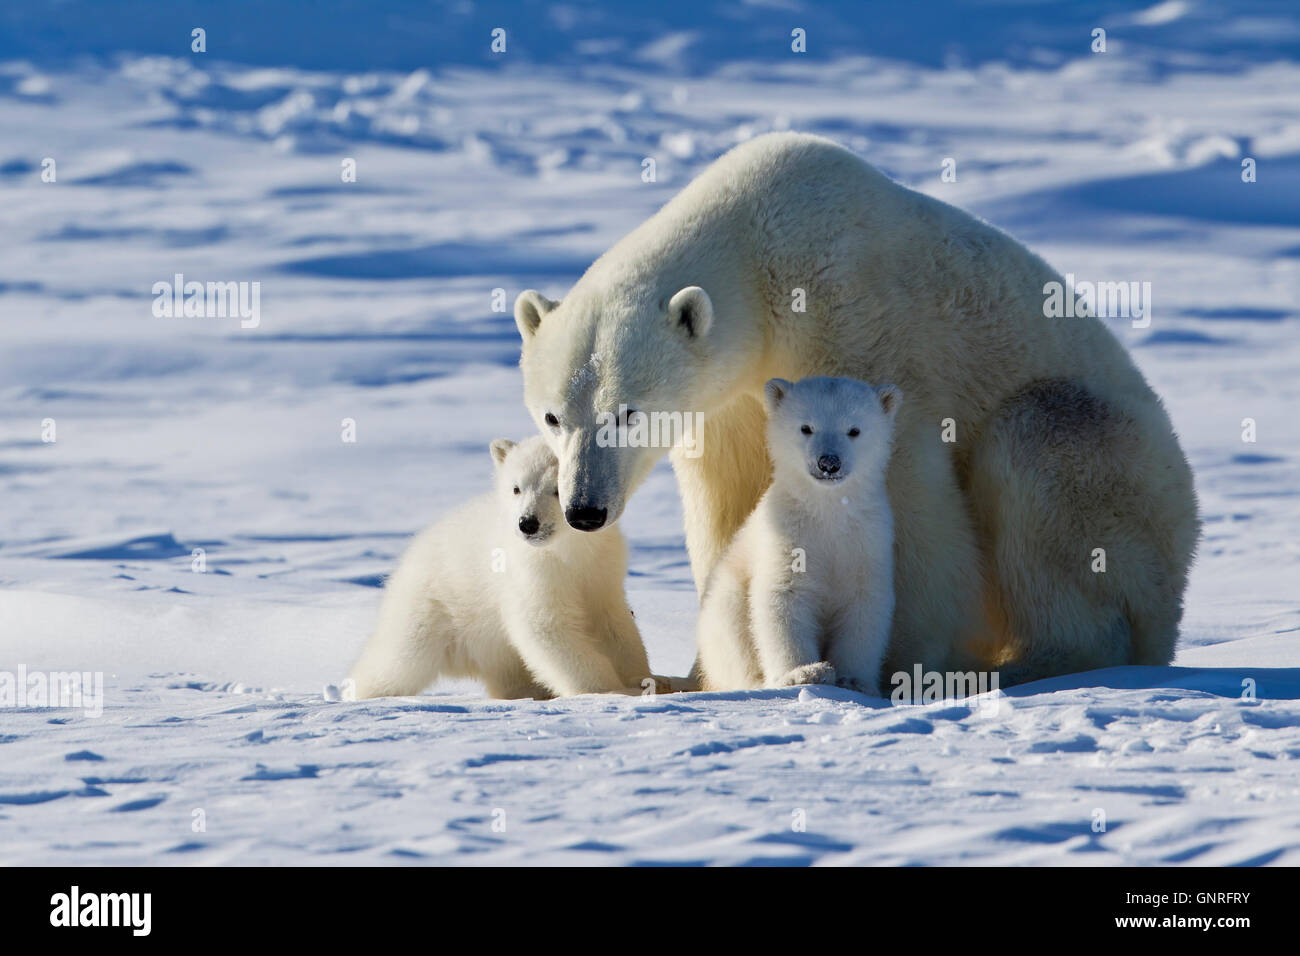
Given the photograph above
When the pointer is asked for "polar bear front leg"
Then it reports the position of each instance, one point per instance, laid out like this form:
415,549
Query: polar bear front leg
722,484
785,636
626,648
858,643
727,658
557,648
406,651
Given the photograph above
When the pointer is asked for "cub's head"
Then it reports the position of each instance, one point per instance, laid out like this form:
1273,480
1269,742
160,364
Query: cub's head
528,489
824,432
593,365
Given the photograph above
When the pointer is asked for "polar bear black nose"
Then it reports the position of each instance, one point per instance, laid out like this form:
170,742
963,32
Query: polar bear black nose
829,464
529,525
585,519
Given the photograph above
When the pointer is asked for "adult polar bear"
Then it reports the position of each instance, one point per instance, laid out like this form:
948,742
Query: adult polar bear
1061,447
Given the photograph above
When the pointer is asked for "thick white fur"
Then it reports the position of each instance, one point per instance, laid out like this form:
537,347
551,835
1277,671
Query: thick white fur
473,596
1061,446
805,592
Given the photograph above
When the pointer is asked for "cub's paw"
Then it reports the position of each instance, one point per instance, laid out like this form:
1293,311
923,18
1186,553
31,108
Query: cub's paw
819,673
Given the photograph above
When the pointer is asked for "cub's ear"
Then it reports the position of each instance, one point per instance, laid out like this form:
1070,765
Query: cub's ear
891,396
500,448
529,309
692,310
776,390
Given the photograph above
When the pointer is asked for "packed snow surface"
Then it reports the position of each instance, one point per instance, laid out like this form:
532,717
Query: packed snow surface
216,742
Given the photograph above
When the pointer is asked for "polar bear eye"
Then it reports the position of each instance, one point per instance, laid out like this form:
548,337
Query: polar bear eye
552,420
516,489
806,429
854,432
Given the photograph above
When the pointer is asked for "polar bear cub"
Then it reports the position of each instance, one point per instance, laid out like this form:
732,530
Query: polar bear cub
804,593
504,591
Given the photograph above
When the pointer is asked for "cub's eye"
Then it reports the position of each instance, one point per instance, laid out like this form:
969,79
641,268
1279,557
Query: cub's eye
806,429
557,492
516,489
552,420
854,432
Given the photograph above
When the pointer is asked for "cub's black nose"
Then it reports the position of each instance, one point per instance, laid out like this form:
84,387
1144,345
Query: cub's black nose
829,464
585,519
529,525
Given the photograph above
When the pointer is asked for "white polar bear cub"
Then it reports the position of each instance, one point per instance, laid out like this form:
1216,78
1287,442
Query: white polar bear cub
504,591
804,594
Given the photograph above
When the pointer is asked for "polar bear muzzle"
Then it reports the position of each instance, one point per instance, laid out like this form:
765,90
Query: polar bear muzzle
585,517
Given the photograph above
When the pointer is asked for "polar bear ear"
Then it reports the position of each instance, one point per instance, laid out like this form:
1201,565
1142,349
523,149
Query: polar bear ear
776,390
529,309
891,396
500,448
692,310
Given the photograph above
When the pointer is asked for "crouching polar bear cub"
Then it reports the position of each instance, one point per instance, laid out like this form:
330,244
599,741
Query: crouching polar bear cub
805,592
503,591
1027,446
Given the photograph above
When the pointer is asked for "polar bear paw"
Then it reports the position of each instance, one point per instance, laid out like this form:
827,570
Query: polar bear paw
818,673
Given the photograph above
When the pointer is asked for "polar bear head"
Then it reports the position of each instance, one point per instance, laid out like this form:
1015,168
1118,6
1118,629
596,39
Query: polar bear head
826,432
614,380
528,487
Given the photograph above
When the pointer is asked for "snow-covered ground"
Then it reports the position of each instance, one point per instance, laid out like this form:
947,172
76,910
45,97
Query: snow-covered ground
377,305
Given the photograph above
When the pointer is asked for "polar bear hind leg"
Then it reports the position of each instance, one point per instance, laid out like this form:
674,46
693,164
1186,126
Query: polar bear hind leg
1062,480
